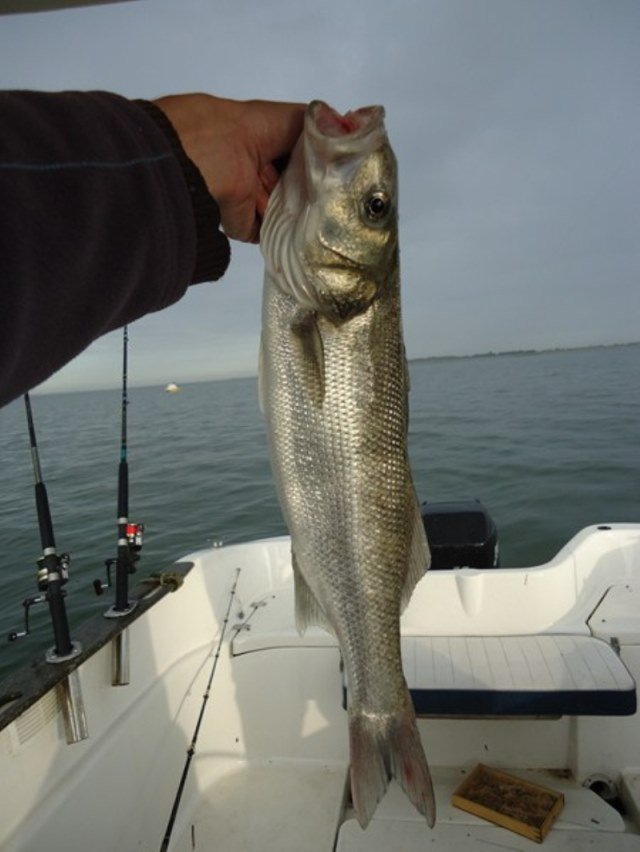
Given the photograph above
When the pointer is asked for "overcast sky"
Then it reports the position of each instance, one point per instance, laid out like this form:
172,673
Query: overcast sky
516,125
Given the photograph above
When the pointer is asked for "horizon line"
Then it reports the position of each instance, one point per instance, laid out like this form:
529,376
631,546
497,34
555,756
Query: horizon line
253,374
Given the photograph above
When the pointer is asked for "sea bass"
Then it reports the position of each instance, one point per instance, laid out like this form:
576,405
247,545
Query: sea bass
333,387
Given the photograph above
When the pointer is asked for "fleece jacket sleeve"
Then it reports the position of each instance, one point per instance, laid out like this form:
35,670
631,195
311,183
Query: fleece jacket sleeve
102,219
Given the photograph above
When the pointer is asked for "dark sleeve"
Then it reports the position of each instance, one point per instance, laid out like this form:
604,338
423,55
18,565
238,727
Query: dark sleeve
102,219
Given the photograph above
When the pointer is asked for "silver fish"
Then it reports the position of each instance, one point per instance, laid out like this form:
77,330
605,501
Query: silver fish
333,387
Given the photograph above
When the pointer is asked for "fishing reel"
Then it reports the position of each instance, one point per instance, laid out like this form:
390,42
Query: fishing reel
63,561
134,533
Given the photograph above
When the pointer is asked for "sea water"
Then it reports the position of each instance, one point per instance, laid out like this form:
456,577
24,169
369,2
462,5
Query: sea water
549,442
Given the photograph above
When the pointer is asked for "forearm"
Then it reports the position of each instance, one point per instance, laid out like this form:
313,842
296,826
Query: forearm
97,226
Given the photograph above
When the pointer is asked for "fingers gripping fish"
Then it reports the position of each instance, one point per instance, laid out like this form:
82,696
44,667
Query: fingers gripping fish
333,386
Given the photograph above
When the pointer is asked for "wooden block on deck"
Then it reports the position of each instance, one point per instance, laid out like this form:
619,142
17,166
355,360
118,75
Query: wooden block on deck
520,806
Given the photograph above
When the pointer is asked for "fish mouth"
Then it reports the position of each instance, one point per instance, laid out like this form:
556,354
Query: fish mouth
325,124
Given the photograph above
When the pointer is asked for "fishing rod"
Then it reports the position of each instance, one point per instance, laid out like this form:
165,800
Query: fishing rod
53,569
129,533
205,698
53,573
129,543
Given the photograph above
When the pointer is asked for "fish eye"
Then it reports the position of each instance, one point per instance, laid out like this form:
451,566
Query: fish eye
376,207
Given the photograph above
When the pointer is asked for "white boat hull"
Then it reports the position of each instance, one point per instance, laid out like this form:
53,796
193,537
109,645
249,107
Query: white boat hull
270,769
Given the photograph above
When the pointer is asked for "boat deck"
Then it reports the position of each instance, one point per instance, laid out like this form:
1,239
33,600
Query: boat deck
256,808
261,807
382,836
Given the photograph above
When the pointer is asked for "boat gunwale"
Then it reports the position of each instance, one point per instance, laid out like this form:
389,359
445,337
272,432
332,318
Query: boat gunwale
22,688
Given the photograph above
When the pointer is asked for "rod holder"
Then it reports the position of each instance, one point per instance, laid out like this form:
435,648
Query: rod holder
72,704
120,656
112,612
120,659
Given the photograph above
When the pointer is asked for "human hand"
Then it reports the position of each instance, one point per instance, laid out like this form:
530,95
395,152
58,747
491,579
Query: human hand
234,145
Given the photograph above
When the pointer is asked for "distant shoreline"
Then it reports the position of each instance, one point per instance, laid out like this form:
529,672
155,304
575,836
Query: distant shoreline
185,383
523,352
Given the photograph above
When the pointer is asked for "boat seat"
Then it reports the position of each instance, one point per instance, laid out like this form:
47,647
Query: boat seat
530,675
541,675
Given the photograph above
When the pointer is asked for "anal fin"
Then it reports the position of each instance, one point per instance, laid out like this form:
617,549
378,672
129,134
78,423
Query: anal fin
308,610
419,557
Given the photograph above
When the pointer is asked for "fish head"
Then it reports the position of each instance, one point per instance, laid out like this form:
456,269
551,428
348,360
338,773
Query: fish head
351,231
340,193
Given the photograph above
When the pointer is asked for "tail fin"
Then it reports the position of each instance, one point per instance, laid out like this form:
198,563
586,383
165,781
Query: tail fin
382,748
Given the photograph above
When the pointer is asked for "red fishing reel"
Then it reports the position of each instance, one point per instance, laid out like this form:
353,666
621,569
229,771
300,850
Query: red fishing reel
134,535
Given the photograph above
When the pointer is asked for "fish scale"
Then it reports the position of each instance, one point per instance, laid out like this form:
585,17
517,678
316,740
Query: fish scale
333,387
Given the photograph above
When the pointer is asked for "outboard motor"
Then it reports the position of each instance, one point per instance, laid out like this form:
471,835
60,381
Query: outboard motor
460,534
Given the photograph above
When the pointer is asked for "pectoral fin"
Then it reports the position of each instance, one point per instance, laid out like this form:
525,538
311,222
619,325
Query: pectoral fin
310,354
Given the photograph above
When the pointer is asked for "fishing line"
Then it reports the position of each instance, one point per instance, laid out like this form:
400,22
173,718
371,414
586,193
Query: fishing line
205,698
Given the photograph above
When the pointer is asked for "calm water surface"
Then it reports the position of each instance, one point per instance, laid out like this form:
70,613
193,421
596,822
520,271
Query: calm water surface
549,442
